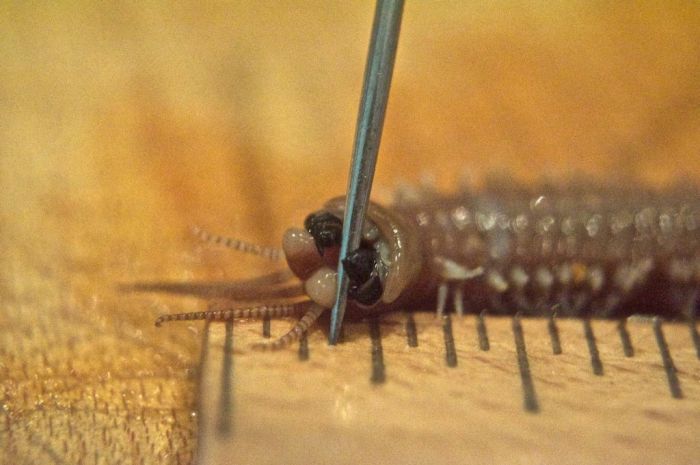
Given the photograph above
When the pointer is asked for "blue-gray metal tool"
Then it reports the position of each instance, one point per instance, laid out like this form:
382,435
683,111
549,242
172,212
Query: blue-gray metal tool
375,93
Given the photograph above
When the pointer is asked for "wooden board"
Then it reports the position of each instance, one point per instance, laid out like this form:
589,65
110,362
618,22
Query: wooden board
122,126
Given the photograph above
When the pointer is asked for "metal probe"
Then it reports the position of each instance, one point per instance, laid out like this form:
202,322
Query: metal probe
375,93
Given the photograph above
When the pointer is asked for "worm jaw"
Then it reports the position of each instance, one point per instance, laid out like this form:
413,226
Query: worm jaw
387,263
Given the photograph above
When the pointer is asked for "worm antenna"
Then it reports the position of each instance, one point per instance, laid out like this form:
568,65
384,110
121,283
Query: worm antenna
271,253
274,286
314,311
222,312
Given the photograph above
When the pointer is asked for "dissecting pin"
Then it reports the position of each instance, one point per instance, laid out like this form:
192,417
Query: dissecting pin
375,93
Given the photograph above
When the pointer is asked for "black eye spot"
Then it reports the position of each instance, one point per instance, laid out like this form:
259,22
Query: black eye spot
325,228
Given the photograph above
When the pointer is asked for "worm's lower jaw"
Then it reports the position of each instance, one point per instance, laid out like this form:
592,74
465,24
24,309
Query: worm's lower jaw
368,293
364,269
359,264
321,286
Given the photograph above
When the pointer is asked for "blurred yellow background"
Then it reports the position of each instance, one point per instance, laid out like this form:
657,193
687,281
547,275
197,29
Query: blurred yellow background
122,124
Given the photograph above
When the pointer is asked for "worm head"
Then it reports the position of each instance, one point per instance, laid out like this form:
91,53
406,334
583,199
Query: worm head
387,262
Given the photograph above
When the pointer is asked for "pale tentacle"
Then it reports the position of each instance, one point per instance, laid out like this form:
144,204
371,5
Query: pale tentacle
314,311
273,286
271,253
218,312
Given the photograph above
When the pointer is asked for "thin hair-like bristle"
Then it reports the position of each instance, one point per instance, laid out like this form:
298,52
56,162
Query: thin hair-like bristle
222,312
314,311
271,253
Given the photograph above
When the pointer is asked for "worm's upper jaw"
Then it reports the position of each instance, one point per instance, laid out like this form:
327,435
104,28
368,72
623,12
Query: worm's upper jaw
326,229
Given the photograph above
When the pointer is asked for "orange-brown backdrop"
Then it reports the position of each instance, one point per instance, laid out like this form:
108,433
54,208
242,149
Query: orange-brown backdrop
123,124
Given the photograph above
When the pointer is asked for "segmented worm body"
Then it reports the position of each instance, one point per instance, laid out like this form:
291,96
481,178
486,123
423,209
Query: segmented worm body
604,252
575,251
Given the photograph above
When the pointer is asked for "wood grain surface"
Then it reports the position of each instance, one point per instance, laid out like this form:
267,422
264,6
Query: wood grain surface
122,125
